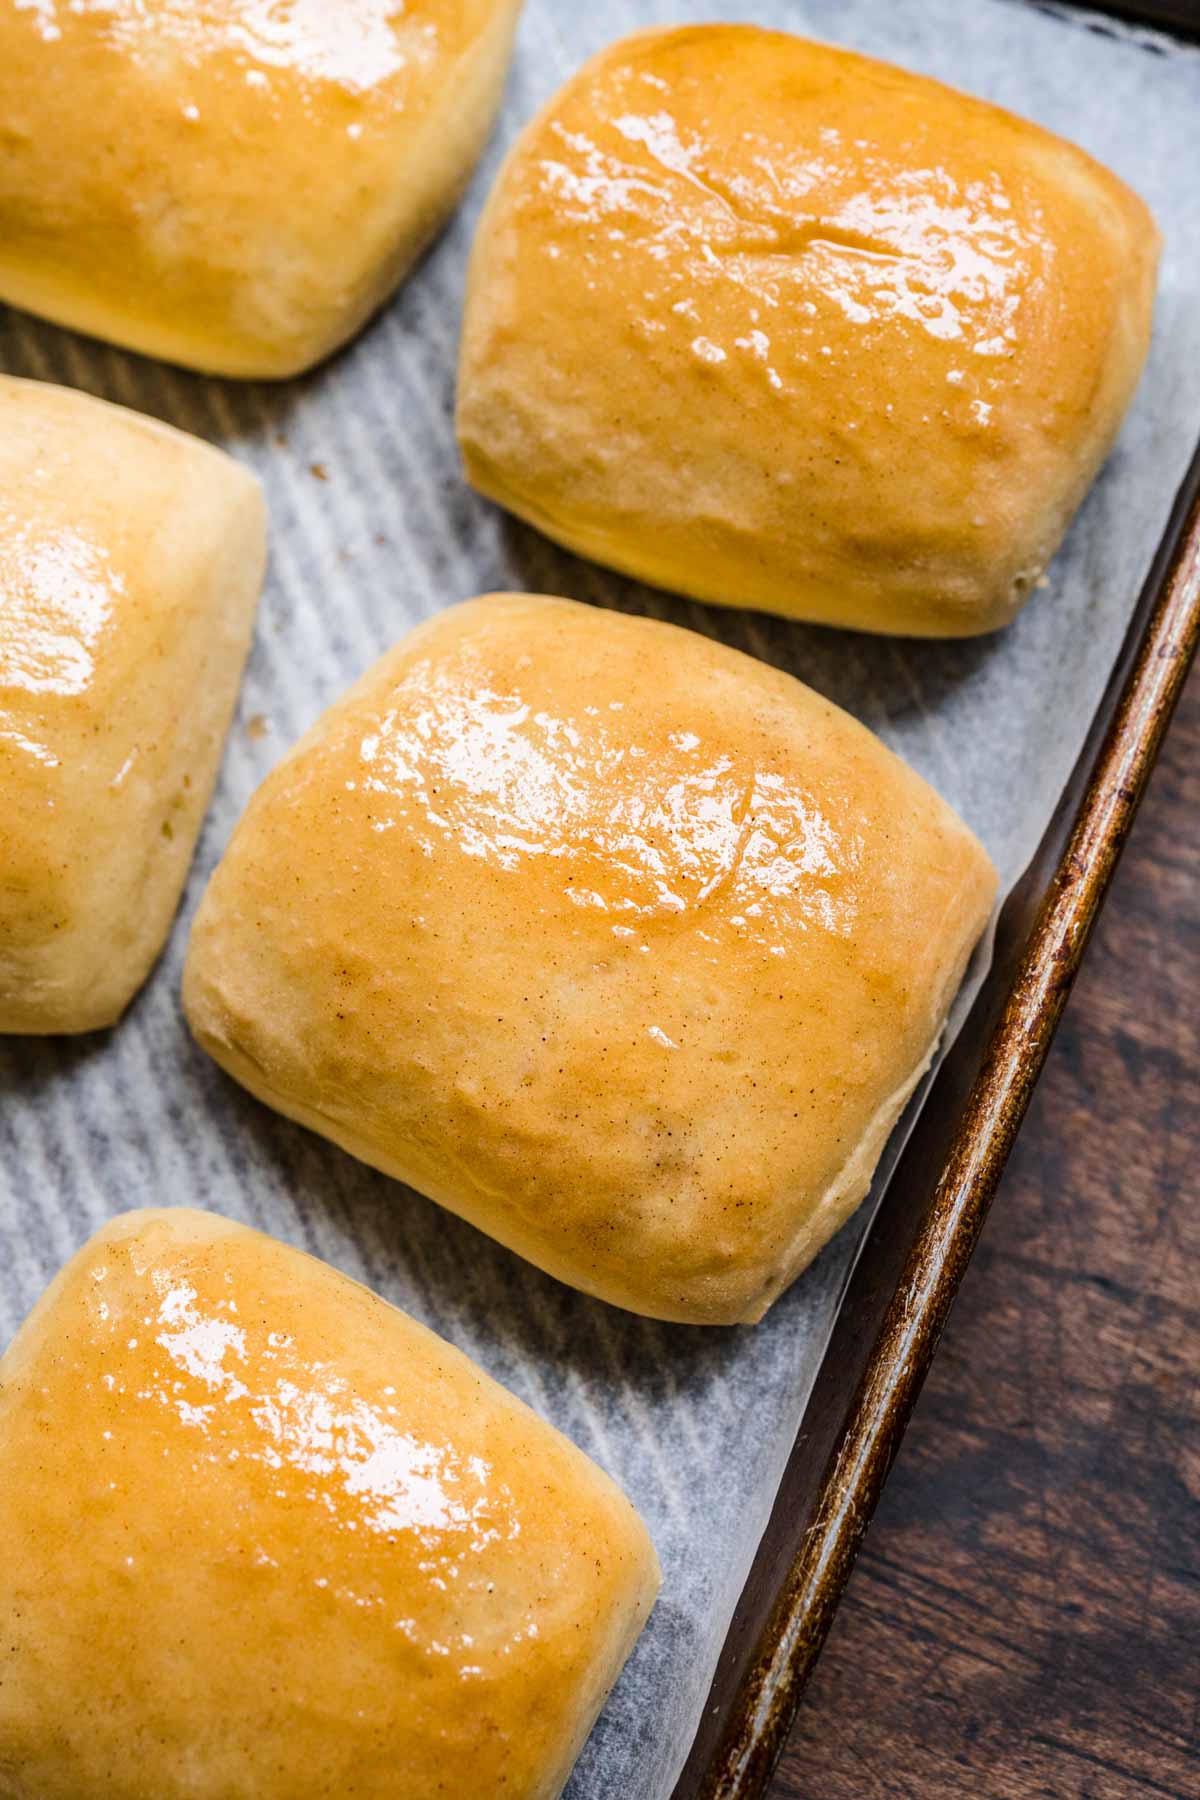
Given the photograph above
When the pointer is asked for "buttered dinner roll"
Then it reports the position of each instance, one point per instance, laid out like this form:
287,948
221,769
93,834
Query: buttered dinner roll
266,1536
131,558
235,186
620,944
778,326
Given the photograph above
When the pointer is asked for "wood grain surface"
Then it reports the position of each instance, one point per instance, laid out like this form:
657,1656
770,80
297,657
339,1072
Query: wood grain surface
1025,1617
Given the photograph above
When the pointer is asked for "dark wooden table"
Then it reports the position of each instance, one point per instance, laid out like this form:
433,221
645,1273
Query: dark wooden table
1025,1617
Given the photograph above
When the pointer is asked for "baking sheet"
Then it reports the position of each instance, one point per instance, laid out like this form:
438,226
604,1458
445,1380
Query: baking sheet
373,530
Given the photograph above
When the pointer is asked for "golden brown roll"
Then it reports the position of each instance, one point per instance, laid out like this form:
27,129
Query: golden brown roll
235,186
620,944
778,326
266,1536
131,558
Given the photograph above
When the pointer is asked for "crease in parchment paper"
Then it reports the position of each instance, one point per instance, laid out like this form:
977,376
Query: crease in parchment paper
373,529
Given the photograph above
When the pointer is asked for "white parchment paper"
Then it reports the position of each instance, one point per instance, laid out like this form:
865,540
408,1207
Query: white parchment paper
373,530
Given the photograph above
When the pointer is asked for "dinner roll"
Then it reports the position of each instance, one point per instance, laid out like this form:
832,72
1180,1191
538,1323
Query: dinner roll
778,326
235,186
131,558
622,945
266,1536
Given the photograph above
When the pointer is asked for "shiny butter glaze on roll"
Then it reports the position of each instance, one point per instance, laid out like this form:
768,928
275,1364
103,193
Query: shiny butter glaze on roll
236,185
265,1536
620,944
131,558
778,326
